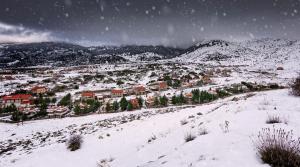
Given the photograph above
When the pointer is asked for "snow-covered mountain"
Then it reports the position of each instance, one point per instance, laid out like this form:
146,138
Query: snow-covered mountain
65,54
263,53
260,53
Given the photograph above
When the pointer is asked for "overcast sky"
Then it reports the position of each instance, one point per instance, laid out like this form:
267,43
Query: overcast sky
167,22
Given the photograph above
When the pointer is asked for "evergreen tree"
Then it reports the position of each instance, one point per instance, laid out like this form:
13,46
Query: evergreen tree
174,100
206,97
196,96
182,99
222,93
163,101
176,83
10,108
141,102
77,110
169,82
130,106
116,106
156,102
108,107
47,100
53,100
23,117
93,105
16,116
66,101
43,109
123,104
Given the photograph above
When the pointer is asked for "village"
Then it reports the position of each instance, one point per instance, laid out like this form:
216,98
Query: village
75,91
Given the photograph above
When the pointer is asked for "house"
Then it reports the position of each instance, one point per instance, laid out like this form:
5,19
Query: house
187,85
159,86
8,77
88,95
117,92
18,100
162,85
150,101
57,110
139,90
189,96
135,103
207,80
29,110
39,90
100,97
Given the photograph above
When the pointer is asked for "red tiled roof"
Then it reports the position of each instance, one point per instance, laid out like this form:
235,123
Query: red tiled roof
140,88
37,87
163,85
88,94
117,91
17,97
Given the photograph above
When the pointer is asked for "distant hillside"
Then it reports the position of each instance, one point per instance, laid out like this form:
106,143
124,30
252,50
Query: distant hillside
263,53
65,54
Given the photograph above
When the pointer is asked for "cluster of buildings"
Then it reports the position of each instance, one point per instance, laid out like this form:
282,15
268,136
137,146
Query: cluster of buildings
24,102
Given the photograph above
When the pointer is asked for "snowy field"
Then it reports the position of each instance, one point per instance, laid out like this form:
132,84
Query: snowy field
127,144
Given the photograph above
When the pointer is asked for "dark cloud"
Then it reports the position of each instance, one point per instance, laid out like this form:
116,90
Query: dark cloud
168,22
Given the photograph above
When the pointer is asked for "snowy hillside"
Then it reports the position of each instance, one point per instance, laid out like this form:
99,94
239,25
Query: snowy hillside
264,53
66,54
157,139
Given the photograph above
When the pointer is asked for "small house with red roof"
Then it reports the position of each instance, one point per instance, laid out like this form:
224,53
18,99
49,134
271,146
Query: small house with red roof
162,85
39,89
88,95
18,100
150,101
139,90
117,92
159,86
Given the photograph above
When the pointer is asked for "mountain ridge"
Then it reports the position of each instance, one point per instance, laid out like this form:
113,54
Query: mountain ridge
207,52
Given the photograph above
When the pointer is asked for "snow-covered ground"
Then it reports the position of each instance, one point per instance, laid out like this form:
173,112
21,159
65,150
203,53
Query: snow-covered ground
127,144
264,54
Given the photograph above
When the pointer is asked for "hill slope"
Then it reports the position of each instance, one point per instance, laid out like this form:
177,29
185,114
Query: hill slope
65,54
265,53
156,140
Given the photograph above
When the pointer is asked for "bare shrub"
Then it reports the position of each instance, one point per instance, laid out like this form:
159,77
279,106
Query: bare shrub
203,131
152,138
225,127
296,87
74,142
278,148
265,102
105,162
184,122
274,119
189,137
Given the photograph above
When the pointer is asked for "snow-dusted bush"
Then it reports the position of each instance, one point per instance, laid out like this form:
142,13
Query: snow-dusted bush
274,119
74,142
152,138
225,127
189,137
278,148
184,122
203,131
296,87
105,162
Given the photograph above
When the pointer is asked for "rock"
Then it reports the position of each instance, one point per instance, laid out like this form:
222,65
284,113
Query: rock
280,68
